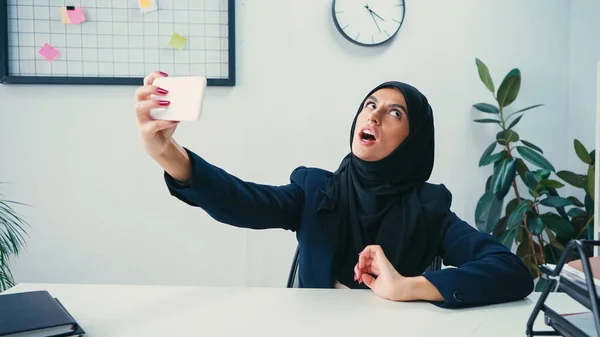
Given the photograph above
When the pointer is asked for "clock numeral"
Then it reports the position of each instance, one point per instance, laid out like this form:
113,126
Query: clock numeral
356,38
372,39
399,5
386,33
339,12
346,26
396,21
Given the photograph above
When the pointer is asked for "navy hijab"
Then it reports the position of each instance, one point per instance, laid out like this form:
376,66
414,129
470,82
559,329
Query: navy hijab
387,202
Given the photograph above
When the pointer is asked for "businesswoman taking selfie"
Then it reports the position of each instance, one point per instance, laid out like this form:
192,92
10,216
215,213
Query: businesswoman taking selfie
375,223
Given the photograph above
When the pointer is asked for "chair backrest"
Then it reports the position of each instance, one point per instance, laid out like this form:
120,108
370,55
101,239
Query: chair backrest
293,281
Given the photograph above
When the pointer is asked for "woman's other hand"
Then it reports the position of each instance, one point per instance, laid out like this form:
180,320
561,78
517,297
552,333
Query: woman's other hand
156,134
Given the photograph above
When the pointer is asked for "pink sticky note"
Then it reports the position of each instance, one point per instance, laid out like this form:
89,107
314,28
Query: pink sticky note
76,15
48,52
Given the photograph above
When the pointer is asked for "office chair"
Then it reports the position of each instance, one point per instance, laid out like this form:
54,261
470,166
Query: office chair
293,281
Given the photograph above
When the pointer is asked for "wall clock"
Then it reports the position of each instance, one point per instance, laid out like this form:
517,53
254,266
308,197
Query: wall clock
368,22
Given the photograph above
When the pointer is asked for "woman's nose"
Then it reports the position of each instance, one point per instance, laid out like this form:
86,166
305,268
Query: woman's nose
373,116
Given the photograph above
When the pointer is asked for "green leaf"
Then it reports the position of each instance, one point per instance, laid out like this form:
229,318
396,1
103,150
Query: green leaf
591,178
535,158
575,212
513,123
575,201
531,180
589,204
571,178
528,108
552,253
493,158
487,108
509,88
510,207
558,224
521,168
488,151
484,75
552,183
487,212
593,156
488,183
535,225
508,237
582,152
543,173
504,174
556,202
500,227
528,144
487,120
516,217
507,136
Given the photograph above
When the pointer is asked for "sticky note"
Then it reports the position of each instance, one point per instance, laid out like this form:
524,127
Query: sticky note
64,15
147,5
177,41
48,52
76,15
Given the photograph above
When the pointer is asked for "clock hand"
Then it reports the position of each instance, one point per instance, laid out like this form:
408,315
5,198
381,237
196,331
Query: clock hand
375,22
377,15
372,12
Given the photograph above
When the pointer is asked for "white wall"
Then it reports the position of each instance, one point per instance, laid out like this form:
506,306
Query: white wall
101,213
584,54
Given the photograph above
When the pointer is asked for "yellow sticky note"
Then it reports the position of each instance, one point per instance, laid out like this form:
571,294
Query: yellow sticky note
147,6
64,15
177,41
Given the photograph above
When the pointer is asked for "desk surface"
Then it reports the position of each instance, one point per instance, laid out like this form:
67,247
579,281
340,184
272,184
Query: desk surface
115,311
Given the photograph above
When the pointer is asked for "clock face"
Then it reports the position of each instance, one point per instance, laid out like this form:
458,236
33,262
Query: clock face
368,22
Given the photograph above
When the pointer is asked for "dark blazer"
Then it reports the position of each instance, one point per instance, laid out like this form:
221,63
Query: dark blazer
486,271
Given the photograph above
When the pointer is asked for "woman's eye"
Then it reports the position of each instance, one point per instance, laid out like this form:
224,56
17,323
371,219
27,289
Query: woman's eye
371,105
396,113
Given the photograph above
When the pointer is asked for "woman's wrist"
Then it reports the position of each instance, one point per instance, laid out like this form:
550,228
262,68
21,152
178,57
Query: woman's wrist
176,162
416,289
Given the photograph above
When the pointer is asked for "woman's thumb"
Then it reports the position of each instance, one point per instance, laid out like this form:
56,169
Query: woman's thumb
368,280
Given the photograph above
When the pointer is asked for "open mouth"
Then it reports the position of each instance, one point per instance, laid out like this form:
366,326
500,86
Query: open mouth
367,136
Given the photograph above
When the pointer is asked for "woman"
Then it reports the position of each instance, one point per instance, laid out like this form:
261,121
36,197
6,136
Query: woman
374,223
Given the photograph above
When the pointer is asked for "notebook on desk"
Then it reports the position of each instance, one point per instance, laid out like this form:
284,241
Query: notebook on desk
35,314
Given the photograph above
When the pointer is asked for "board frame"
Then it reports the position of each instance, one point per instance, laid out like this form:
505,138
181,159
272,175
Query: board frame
7,78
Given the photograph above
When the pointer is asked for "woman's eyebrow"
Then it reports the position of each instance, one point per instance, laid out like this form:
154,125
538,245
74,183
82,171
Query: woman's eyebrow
400,107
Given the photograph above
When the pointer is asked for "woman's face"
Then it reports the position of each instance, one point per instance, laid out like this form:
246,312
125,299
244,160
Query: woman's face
381,126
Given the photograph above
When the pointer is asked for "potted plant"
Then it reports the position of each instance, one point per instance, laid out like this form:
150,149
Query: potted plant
12,240
521,205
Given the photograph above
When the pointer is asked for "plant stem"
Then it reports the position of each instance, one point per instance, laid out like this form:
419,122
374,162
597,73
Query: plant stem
541,243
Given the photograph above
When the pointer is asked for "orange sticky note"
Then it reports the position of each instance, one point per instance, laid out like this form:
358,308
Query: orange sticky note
145,3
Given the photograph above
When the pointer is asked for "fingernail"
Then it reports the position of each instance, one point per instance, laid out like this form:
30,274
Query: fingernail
163,73
164,103
162,91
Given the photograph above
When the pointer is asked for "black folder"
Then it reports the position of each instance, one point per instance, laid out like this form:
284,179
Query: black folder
35,313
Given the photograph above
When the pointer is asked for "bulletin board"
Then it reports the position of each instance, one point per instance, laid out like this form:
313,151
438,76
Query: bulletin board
116,41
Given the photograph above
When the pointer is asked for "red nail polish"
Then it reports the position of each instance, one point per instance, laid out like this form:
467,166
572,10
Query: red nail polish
163,73
161,91
164,103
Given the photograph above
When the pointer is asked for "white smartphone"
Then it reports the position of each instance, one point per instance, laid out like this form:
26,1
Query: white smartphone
186,94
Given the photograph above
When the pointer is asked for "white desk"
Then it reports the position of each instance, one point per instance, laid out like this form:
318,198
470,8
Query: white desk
131,311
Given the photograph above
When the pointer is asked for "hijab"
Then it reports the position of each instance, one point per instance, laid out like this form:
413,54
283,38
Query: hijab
387,202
